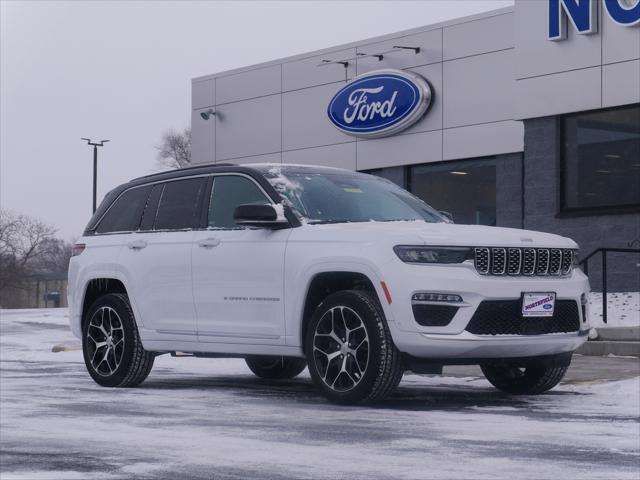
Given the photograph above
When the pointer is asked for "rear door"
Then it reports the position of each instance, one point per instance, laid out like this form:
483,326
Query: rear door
158,259
238,272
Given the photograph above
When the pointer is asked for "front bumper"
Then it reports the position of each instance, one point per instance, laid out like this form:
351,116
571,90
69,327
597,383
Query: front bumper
452,340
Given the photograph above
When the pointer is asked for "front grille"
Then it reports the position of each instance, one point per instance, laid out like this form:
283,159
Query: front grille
433,315
523,261
504,317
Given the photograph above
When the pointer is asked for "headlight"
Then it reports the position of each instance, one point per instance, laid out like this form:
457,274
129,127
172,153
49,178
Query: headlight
415,254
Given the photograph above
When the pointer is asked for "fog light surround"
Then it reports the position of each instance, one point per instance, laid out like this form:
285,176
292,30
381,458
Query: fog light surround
436,297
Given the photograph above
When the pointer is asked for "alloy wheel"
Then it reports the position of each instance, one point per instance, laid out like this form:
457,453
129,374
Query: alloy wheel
341,348
105,341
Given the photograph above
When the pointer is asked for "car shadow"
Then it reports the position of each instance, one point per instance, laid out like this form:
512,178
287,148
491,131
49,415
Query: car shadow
303,391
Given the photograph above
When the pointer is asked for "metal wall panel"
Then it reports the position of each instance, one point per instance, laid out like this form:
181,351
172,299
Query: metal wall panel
250,127
488,34
556,94
203,93
304,118
251,84
621,83
479,89
269,158
618,43
400,150
339,156
536,55
306,72
203,134
432,120
483,140
430,44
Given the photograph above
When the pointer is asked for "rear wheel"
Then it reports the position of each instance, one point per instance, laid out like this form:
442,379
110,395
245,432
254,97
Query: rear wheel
275,367
518,380
111,346
350,353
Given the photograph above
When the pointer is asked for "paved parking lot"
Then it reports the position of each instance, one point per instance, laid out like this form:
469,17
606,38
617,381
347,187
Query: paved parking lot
201,418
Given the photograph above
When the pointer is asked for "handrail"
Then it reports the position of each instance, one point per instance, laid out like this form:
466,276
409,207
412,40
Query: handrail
604,251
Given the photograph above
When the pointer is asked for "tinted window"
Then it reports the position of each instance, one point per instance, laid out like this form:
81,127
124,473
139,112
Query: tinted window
149,215
179,204
229,192
465,189
601,158
124,215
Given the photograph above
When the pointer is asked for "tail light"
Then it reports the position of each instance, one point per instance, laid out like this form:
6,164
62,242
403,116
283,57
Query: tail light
78,248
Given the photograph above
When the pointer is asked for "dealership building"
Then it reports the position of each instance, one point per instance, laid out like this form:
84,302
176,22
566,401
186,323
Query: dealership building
526,117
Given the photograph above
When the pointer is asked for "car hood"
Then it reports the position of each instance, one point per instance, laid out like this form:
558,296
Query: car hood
419,232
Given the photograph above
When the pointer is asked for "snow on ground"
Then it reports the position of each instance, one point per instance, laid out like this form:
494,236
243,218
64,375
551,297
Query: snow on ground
206,418
623,309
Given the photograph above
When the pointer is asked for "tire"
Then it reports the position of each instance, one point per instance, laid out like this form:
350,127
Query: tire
119,360
350,353
517,380
276,368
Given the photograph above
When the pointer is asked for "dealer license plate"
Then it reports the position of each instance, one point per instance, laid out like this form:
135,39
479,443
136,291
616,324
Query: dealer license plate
538,304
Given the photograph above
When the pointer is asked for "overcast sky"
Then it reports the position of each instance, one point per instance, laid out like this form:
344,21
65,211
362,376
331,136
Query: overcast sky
122,70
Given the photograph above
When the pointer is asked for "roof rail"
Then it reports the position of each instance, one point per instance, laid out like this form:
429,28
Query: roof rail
192,167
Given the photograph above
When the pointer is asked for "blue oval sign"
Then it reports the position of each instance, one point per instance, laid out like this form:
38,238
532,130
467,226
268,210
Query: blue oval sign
380,103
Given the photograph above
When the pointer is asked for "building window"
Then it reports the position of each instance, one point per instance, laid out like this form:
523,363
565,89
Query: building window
601,159
465,189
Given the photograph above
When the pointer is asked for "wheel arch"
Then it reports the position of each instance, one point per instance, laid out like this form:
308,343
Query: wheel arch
324,283
97,287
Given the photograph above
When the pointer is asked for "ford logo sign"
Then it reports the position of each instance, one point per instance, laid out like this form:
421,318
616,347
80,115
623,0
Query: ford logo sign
547,306
380,103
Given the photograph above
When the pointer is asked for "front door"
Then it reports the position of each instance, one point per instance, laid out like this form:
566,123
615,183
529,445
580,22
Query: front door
238,283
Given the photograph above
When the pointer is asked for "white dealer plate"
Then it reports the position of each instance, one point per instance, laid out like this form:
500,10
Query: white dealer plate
538,304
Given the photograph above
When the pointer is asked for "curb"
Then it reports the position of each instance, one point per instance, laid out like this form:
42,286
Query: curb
603,348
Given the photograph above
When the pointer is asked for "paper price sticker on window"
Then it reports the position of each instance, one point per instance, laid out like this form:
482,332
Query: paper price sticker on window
538,304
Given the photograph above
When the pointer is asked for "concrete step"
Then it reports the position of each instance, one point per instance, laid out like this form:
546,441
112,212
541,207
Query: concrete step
619,333
603,348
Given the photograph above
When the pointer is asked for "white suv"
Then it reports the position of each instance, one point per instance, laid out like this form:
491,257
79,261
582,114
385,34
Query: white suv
290,266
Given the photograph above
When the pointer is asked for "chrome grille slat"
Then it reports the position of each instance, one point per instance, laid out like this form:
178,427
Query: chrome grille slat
514,264
542,262
498,261
516,261
482,260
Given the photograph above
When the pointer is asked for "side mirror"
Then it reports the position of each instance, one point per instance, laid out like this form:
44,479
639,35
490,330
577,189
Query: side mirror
256,215
447,215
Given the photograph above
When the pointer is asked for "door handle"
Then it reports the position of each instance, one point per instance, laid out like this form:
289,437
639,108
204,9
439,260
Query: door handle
137,245
209,242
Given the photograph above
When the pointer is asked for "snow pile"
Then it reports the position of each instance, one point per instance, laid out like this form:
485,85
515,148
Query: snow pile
623,309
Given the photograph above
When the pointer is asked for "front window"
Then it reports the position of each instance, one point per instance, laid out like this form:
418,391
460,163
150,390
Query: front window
601,159
227,193
336,197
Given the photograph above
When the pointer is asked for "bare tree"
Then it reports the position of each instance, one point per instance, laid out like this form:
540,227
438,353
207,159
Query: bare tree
174,150
25,243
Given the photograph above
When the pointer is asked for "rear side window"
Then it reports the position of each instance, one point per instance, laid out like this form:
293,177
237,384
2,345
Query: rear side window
179,206
228,192
149,215
124,215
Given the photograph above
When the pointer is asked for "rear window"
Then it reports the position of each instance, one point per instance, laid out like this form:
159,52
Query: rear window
179,206
124,215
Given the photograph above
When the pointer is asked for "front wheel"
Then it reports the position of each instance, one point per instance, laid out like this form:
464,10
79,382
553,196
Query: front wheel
518,380
350,352
275,368
111,345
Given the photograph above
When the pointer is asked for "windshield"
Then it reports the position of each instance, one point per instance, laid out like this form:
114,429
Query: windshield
328,197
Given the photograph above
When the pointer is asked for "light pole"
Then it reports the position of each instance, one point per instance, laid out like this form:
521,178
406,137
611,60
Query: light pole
95,146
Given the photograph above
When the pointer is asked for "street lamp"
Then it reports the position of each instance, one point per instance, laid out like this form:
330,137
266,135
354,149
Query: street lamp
95,146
